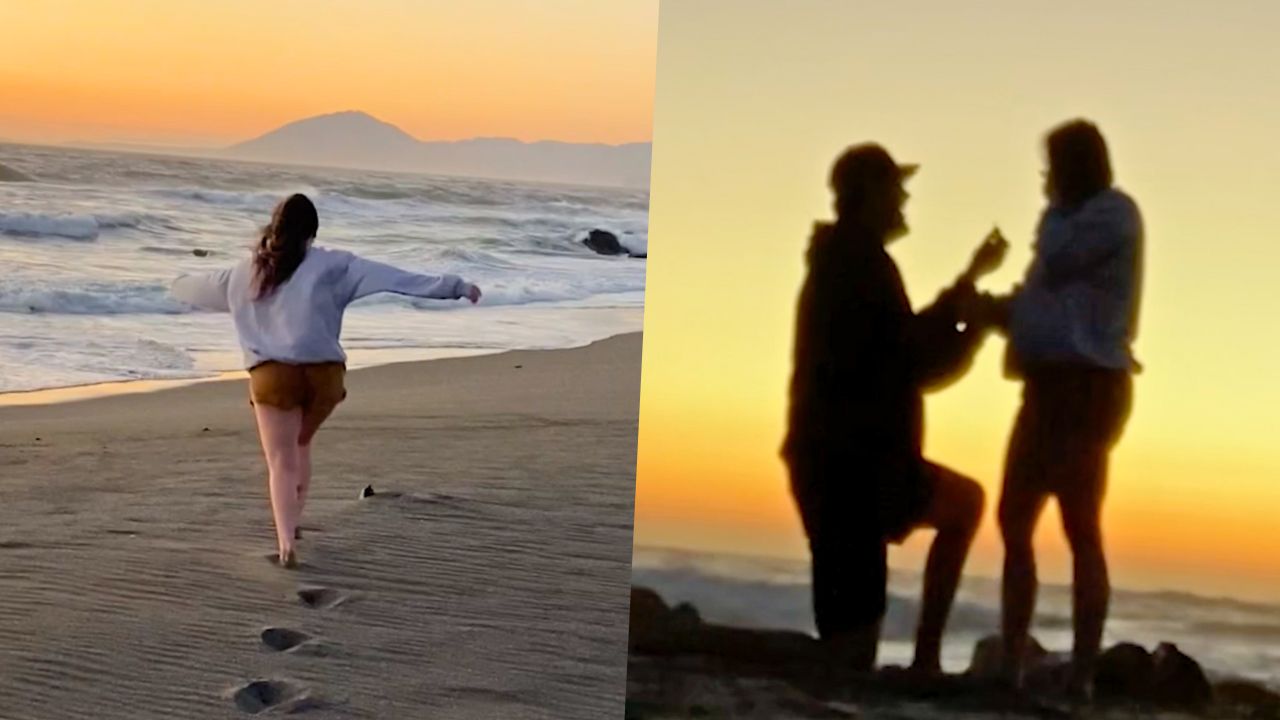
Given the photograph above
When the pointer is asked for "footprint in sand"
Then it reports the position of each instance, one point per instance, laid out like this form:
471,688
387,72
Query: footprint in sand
284,639
259,696
294,642
320,598
424,498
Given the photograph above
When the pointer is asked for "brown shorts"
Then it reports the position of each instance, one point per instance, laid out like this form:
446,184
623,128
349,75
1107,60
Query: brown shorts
1071,418
316,388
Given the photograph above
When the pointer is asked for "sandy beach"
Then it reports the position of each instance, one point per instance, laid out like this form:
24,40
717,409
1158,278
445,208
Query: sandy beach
487,578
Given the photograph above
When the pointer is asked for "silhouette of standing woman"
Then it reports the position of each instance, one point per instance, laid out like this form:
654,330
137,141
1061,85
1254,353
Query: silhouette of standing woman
1070,326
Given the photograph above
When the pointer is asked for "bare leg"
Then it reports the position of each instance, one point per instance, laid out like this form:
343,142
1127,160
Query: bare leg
1019,513
1082,522
278,430
304,477
1021,503
304,485
312,418
956,511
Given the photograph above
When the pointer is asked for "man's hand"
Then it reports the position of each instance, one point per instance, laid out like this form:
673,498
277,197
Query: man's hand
988,257
473,294
992,311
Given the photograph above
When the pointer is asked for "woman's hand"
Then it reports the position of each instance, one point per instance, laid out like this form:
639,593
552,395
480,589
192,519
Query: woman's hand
473,294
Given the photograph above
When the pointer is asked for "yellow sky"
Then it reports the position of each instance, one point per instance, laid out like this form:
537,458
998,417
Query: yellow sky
755,98
181,71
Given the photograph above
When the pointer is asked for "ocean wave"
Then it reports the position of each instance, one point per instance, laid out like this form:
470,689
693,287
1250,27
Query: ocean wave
327,201
43,362
8,174
71,227
371,192
1260,631
772,605
475,257
154,299
89,299
528,289
250,199
85,227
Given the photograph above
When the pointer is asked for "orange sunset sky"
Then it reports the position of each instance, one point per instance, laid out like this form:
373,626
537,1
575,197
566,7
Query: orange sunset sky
756,98
213,73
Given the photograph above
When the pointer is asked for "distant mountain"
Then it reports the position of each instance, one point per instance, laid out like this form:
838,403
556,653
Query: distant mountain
358,140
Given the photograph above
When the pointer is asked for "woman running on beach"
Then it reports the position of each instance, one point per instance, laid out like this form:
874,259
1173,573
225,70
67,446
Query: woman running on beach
287,301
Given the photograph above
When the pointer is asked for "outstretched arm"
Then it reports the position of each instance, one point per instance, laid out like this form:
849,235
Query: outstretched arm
367,277
206,291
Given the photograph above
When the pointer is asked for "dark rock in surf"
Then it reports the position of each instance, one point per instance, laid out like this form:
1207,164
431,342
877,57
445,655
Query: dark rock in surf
367,492
200,252
987,661
1177,680
604,242
655,628
1124,672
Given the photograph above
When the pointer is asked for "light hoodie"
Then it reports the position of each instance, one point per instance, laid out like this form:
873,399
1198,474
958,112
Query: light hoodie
301,321
1079,305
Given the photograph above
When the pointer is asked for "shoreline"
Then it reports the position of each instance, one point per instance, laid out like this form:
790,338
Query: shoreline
125,387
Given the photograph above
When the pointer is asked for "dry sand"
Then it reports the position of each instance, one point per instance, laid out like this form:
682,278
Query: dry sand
134,534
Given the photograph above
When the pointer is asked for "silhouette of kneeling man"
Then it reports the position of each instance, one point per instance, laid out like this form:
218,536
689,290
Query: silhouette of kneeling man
862,361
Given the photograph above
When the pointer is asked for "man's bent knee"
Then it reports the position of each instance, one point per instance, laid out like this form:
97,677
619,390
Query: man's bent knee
974,502
958,502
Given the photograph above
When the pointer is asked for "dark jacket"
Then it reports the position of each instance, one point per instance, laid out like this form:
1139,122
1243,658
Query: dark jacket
862,361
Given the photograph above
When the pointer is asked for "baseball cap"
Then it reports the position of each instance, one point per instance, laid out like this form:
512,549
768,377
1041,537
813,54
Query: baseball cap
865,165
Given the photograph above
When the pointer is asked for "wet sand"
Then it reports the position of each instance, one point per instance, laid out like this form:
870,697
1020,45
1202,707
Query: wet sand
488,578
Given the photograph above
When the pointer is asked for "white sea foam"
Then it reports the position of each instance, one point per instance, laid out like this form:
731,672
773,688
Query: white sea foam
90,251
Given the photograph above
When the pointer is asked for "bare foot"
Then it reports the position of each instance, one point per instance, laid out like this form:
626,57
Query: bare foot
918,677
926,668
289,559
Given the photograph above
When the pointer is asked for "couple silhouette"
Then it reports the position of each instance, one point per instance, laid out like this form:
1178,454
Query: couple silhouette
863,360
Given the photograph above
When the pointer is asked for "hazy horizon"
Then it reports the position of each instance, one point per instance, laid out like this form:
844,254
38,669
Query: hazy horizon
197,143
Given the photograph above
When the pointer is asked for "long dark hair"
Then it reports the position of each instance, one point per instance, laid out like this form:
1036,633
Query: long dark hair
284,242
1079,166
